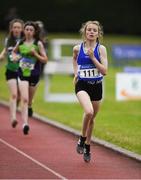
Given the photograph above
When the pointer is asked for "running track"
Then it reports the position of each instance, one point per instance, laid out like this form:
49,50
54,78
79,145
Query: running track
49,153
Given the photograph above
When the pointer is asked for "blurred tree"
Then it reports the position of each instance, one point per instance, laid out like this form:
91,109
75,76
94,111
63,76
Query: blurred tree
120,16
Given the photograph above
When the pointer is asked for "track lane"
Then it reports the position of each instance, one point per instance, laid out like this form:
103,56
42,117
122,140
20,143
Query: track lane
56,149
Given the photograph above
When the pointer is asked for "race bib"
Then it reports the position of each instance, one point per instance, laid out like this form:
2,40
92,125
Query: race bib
88,72
26,63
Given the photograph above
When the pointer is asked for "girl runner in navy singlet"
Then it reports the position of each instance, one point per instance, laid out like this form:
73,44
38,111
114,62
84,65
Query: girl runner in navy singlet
90,65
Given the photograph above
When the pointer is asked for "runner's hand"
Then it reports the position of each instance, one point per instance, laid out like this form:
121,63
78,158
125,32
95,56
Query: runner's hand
33,52
75,79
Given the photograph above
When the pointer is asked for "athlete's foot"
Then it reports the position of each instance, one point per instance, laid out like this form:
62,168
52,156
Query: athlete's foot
87,154
14,123
26,129
80,145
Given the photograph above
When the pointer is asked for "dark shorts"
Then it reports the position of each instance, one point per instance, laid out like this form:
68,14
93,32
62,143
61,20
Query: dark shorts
11,74
94,90
33,80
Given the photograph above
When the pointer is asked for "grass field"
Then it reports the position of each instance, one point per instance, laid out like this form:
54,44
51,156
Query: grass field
117,122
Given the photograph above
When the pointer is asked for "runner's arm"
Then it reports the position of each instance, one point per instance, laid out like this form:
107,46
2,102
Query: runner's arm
2,54
75,54
41,56
103,65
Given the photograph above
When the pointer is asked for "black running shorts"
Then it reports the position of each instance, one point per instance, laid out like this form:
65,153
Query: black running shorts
33,80
94,90
11,74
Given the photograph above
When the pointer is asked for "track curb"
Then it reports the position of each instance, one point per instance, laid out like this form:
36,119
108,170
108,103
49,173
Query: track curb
98,141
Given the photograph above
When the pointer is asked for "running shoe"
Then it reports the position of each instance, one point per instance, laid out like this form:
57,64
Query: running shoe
30,111
26,129
87,154
80,145
14,123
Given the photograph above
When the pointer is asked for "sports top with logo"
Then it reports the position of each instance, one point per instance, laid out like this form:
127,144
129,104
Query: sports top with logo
28,61
87,71
9,44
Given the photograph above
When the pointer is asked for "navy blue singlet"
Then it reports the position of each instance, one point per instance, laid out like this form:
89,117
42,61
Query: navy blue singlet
87,70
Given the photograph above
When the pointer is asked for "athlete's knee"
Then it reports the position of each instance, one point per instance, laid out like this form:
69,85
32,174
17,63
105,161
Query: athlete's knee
25,100
14,96
89,113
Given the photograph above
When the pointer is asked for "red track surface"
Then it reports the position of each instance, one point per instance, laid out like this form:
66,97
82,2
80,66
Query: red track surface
49,153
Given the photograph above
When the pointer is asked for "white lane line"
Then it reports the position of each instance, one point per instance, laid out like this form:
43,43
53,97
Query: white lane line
34,160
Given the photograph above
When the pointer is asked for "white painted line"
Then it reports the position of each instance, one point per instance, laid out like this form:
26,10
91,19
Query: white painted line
34,160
